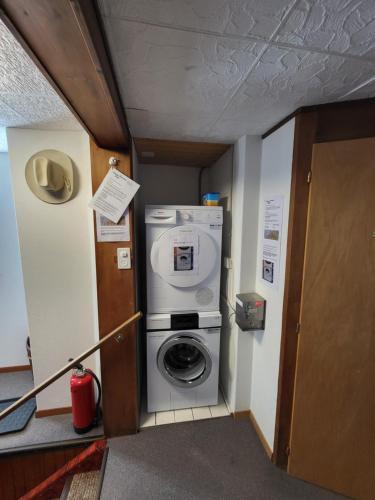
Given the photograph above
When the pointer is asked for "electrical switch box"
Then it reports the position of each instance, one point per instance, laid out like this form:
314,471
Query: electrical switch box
250,311
124,258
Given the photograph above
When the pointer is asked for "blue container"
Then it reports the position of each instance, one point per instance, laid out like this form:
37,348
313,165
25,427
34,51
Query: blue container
211,199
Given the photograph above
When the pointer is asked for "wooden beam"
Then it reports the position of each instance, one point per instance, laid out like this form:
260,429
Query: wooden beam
65,39
330,119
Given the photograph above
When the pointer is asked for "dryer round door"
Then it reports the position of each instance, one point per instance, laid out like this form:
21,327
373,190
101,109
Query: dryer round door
184,361
184,256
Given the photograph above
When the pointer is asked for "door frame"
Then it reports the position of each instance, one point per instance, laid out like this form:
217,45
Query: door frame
313,124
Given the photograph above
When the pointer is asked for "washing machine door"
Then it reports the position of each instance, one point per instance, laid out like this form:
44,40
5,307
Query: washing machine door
184,256
184,360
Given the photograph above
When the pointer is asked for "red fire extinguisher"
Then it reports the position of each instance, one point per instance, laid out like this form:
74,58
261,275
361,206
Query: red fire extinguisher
86,413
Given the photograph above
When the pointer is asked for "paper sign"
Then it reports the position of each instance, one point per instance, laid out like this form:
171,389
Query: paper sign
184,253
272,225
106,230
114,195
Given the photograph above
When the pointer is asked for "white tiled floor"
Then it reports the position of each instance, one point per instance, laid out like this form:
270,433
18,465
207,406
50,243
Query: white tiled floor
172,416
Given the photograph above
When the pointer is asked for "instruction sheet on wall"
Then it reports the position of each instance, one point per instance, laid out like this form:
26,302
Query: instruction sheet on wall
272,226
106,230
114,195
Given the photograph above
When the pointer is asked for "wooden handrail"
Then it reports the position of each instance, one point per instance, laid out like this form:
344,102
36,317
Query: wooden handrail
68,367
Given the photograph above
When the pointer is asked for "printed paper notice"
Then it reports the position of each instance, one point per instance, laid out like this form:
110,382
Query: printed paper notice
272,225
114,195
106,230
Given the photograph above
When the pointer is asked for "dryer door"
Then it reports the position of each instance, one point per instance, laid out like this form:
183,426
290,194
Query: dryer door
184,256
184,360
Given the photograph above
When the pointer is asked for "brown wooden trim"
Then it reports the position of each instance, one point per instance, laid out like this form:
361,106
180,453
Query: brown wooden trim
66,41
304,136
241,415
327,114
17,368
53,411
260,434
280,123
116,302
248,415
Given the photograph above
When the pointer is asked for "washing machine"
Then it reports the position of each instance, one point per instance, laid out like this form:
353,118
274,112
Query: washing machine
182,364
183,248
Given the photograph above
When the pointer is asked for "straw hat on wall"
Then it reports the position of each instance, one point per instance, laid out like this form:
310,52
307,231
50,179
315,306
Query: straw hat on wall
49,175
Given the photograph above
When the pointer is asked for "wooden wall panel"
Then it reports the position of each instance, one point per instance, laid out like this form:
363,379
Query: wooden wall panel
116,302
20,473
181,153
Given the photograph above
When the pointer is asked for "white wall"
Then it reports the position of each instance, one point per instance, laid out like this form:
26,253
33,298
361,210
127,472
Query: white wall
244,244
249,363
167,184
277,151
13,316
57,252
219,177
236,176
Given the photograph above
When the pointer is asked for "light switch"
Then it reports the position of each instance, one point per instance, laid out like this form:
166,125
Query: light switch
123,258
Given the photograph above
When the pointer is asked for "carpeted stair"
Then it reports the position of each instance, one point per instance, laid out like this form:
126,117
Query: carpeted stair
79,479
83,486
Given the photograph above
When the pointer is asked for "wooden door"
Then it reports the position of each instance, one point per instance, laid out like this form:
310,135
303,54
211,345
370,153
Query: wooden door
333,425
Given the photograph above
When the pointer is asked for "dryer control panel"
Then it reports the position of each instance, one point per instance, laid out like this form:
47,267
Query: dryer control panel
180,215
200,216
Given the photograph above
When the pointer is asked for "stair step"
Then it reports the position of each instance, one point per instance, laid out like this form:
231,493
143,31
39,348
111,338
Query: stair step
65,491
85,486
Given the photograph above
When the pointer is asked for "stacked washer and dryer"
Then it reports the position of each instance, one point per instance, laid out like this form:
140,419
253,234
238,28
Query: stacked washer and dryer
183,248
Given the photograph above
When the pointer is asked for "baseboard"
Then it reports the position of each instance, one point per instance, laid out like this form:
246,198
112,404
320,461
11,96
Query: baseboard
18,368
241,415
53,411
261,437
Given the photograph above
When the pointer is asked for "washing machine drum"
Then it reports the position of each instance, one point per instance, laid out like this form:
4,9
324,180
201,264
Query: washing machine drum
184,361
184,256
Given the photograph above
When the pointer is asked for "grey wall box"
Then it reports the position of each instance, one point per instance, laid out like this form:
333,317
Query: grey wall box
250,311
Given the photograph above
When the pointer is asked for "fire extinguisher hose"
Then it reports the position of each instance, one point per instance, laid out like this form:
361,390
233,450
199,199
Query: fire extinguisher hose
98,413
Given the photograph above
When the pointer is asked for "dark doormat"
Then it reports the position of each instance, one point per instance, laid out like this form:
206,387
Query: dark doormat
17,420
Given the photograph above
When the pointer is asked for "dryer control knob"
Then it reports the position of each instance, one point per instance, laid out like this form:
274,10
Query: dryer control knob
186,216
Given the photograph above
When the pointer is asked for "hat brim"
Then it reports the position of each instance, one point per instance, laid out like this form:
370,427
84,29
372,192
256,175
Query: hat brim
54,197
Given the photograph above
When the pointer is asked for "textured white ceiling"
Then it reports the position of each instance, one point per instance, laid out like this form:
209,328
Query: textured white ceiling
218,69
26,98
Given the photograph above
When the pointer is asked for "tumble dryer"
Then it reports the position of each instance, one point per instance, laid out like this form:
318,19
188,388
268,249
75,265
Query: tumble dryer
183,245
182,365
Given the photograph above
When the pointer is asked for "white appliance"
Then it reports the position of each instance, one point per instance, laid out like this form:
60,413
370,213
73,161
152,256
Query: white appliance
183,245
183,365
